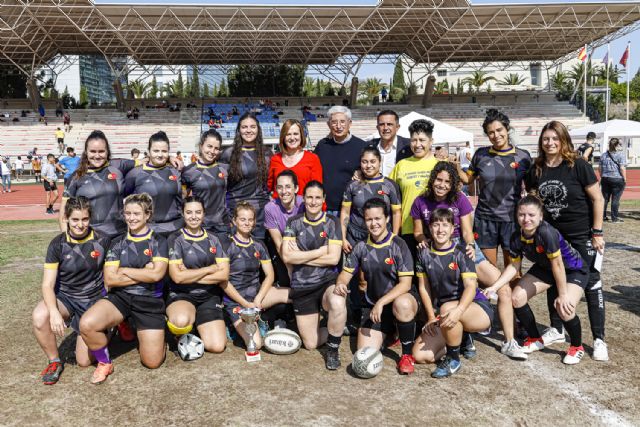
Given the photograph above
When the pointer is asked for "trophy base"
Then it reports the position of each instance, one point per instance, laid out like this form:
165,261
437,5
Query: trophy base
252,356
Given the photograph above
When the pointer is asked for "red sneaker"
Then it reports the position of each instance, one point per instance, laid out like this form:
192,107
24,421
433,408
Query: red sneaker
405,365
101,373
51,373
125,332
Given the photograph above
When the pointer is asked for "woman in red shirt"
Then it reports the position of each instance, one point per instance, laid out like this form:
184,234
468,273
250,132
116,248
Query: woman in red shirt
293,156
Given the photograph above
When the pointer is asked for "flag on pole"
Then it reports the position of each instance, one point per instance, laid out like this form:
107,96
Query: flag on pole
582,55
625,57
605,60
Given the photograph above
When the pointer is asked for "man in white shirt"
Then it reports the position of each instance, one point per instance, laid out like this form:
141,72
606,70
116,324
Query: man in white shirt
19,167
464,158
49,179
392,147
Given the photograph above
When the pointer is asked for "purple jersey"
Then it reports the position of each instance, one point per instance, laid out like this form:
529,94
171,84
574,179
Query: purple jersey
423,207
276,216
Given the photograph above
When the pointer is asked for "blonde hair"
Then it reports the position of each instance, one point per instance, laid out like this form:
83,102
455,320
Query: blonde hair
143,200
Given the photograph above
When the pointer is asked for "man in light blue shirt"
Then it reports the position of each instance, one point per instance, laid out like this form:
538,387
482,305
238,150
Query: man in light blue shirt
69,164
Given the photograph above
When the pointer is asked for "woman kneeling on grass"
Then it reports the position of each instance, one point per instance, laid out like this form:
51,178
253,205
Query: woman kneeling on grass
72,282
556,264
448,285
134,270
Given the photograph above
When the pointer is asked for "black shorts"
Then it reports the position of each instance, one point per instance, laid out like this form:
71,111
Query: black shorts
60,140
145,312
486,306
76,308
577,277
308,300
387,324
208,307
491,234
49,187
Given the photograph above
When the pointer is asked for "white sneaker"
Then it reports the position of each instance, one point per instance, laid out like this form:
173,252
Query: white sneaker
532,344
513,350
600,351
573,356
552,336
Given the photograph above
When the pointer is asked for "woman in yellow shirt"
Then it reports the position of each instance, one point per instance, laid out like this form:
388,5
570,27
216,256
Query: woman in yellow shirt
412,174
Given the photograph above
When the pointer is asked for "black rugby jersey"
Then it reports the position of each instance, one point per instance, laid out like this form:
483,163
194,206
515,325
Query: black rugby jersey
500,175
445,269
209,183
136,252
246,259
104,188
358,192
383,264
546,244
247,188
196,252
79,264
163,184
311,235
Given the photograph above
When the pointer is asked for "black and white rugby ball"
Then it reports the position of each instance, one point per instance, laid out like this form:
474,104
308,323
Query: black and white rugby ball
282,341
367,362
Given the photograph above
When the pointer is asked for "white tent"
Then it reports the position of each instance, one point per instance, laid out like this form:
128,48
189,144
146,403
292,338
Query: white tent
442,132
606,130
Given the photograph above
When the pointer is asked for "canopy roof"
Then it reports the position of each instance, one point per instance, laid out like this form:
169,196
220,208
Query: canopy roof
442,132
606,130
437,31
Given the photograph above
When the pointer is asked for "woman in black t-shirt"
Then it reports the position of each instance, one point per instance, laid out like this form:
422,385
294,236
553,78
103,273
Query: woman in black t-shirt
569,188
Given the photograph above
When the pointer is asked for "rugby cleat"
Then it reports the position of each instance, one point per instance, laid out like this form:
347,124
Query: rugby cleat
532,344
51,373
333,359
406,364
600,350
446,367
101,373
513,350
552,336
573,356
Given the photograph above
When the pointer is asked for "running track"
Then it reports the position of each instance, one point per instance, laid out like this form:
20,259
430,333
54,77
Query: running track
27,201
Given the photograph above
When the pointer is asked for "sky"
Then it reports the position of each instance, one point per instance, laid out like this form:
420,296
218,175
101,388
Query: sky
385,71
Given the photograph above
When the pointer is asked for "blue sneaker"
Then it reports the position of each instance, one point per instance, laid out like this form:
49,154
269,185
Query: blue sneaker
263,327
231,334
446,367
468,349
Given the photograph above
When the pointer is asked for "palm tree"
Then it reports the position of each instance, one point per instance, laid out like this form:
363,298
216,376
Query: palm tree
577,71
513,79
371,88
173,89
308,86
441,87
478,79
139,88
614,73
558,80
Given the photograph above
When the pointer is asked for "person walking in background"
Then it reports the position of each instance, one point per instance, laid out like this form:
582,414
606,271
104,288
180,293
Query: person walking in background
5,171
586,150
613,173
66,120
36,165
69,164
60,139
49,179
19,165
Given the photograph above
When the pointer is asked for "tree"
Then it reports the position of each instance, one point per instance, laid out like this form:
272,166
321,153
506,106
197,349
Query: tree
398,76
459,87
614,74
195,83
205,90
513,79
371,88
84,97
179,87
266,80
307,86
153,89
223,91
139,88
441,87
477,79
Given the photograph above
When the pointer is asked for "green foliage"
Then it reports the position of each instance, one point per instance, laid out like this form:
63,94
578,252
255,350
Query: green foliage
179,87
138,88
513,79
194,89
477,80
563,85
266,80
224,88
68,101
153,89
370,89
441,87
308,88
398,76
205,90
84,97
459,87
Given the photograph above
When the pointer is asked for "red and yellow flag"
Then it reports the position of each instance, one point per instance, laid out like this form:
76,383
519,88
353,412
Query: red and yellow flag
582,55
625,57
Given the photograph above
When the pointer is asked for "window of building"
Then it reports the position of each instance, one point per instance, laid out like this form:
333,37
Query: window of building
442,73
536,74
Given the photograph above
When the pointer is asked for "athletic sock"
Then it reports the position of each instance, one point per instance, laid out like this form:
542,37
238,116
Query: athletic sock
528,320
102,355
554,318
406,333
333,342
574,329
454,352
271,314
55,359
595,305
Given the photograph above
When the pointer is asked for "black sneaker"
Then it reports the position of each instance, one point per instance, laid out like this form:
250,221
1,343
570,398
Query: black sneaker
468,348
617,220
606,219
51,373
333,359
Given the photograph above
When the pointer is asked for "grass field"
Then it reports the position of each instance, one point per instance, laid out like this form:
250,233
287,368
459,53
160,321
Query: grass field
297,390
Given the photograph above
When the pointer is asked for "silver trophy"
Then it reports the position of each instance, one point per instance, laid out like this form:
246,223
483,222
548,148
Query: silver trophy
250,318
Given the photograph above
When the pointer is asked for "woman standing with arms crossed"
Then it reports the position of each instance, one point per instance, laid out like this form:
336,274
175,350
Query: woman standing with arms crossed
573,204
248,161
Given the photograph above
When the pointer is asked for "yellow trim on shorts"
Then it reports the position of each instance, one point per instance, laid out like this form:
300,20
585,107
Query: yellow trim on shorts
265,261
556,254
421,274
51,265
405,273
335,242
112,263
160,259
469,275
175,261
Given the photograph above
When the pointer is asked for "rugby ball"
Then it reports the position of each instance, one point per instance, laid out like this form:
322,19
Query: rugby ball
367,362
282,341
190,347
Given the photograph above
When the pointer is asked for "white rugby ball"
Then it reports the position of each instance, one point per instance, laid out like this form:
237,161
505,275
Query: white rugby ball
367,362
190,347
282,341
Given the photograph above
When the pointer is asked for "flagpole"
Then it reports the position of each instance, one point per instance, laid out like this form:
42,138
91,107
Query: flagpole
606,95
584,98
628,67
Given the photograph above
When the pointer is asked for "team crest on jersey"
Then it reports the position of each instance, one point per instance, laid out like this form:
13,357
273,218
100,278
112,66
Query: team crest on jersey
95,254
323,234
514,165
476,235
453,266
112,176
539,249
256,254
213,250
172,177
148,252
221,175
388,261
381,192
